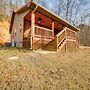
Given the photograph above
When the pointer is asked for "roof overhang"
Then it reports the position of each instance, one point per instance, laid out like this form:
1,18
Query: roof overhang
35,7
55,17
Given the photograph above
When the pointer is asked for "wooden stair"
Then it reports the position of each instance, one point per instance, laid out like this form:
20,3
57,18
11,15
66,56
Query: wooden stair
67,40
51,46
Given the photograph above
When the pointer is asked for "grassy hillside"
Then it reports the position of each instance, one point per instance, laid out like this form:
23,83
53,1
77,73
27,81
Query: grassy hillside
22,69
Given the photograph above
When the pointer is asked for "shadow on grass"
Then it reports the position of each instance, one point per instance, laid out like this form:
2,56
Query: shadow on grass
15,48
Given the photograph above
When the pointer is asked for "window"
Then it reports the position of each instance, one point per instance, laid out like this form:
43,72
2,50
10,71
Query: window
20,28
14,33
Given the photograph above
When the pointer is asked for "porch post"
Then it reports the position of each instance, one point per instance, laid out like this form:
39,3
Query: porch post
32,28
53,29
66,37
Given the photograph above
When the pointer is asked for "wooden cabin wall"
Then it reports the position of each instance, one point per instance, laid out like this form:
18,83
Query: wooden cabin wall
27,34
18,23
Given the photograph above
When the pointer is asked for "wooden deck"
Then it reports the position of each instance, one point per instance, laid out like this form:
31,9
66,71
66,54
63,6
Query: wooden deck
65,40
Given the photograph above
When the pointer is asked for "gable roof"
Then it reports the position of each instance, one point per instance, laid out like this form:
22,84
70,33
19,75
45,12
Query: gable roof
35,7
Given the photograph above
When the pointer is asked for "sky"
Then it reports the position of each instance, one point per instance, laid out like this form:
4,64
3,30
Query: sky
86,3
52,3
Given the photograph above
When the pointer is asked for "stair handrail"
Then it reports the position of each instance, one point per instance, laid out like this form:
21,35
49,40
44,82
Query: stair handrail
60,32
75,34
46,29
43,29
65,37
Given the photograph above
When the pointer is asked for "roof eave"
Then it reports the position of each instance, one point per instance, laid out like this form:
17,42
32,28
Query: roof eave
39,7
11,23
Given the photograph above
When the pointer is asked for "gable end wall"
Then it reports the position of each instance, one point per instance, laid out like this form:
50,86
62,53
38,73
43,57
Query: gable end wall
18,20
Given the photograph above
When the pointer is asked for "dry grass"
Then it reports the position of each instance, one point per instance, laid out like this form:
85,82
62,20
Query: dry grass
37,71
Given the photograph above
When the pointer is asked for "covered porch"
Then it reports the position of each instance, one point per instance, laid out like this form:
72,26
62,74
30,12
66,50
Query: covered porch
39,30
43,30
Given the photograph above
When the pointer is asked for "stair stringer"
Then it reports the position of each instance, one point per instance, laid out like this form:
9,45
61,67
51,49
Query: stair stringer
64,46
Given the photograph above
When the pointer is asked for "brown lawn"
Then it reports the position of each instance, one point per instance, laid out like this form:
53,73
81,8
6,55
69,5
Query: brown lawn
22,69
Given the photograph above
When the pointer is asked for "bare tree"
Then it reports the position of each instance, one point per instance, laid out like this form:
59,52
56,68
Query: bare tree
43,3
69,10
26,1
84,33
1,4
86,17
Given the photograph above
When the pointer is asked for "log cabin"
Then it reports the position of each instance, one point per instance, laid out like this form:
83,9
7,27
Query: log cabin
33,26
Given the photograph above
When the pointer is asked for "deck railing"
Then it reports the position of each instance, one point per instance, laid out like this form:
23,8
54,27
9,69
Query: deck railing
43,32
72,34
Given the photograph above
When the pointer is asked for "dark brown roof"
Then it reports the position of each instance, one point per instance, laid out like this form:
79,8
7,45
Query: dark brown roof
32,6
